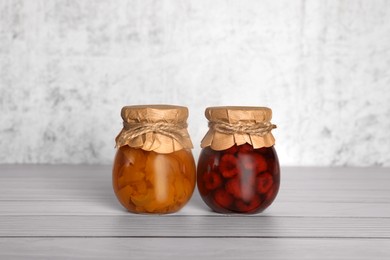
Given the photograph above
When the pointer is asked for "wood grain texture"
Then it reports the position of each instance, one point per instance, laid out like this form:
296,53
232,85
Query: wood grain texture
71,212
194,226
193,248
110,207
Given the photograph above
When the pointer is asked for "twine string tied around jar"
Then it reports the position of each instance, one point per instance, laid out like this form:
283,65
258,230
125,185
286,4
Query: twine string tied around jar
251,128
174,131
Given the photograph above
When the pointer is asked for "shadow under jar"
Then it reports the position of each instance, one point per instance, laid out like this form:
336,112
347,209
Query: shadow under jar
154,169
238,168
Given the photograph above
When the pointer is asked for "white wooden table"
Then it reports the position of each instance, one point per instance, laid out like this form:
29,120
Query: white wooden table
62,212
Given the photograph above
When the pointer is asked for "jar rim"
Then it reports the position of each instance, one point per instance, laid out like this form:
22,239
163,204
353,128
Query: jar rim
154,113
234,114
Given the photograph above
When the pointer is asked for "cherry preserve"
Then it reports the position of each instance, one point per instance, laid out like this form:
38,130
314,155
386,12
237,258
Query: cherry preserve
238,168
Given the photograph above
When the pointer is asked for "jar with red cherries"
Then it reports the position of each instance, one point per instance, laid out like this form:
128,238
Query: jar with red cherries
238,168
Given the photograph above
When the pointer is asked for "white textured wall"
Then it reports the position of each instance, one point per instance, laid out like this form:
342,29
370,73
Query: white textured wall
67,67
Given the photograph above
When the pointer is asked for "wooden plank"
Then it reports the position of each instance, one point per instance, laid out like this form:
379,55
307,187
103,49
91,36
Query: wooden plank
110,207
309,196
49,191
67,182
194,226
193,248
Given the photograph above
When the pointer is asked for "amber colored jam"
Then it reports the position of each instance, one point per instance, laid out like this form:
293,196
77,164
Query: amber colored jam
238,180
150,182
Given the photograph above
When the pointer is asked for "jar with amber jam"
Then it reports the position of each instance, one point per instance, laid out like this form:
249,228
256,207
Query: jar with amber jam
238,168
154,170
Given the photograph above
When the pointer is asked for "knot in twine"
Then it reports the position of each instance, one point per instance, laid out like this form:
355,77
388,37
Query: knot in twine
174,131
259,129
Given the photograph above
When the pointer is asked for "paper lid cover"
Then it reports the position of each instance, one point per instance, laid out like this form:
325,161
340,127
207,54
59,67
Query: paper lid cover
230,125
159,128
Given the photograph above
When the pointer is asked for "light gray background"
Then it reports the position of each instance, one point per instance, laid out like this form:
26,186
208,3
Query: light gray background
67,68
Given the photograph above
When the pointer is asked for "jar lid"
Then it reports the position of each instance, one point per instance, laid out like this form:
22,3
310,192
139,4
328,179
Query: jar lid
155,113
159,128
230,125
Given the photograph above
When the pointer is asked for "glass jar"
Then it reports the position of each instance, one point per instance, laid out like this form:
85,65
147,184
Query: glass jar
238,168
154,169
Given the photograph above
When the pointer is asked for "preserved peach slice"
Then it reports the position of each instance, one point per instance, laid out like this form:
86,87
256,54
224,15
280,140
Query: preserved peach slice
140,187
163,184
124,194
186,162
134,156
142,199
131,174
183,189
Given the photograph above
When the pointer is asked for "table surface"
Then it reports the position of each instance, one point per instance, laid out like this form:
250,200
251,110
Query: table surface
64,211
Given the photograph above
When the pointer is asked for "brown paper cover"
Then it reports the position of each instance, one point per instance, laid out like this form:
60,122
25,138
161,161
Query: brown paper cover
230,115
159,128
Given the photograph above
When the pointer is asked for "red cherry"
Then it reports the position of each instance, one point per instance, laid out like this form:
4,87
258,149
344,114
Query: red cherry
261,163
248,206
245,148
222,198
228,166
264,182
212,180
233,186
232,150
